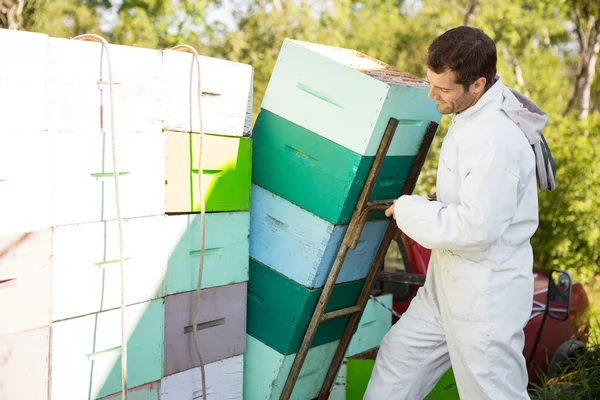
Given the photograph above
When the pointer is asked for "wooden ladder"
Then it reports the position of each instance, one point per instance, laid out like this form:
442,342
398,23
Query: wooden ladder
363,209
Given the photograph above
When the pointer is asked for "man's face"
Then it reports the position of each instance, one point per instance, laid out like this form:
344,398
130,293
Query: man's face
449,96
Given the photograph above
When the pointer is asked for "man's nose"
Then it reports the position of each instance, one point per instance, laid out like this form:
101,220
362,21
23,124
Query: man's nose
432,94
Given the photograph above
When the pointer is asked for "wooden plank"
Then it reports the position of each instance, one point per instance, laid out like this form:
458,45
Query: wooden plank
340,94
23,81
86,274
79,93
266,370
227,173
225,256
84,176
338,390
227,95
291,161
25,281
24,364
86,360
280,309
302,246
26,181
151,391
224,380
221,330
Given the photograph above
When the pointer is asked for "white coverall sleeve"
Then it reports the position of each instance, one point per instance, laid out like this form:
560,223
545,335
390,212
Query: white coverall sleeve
487,203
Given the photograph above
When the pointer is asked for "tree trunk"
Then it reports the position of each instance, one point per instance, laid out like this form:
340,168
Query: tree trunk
470,11
589,75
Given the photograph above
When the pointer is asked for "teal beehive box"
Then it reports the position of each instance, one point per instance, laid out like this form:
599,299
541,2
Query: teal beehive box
322,120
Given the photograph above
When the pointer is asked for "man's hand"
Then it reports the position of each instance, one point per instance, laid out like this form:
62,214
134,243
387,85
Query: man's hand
390,211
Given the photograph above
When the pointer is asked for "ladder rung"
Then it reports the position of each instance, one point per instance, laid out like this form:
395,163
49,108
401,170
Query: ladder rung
380,202
340,313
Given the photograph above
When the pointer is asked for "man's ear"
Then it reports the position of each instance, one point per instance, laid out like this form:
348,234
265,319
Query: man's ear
478,86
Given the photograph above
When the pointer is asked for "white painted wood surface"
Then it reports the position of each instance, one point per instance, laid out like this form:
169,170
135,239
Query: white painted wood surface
86,274
26,181
224,381
22,81
226,100
84,176
24,365
86,361
25,281
79,93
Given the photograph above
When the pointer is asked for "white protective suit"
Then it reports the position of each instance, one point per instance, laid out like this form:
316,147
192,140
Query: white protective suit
478,292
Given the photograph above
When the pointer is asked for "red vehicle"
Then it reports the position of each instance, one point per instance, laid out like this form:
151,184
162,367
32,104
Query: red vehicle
559,322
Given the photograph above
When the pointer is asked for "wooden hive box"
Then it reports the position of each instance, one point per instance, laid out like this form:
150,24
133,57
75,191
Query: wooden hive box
86,351
23,84
84,176
86,271
225,254
322,119
266,370
224,380
221,327
24,364
26,181
279,309
226,178
302,246
227,89
79,92
25,281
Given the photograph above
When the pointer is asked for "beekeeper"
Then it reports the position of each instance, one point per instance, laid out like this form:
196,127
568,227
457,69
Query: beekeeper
478,292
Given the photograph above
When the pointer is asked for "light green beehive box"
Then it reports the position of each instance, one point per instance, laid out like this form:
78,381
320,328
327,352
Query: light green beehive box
348,97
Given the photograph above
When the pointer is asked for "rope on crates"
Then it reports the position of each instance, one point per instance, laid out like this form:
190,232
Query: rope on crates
105,46
203,219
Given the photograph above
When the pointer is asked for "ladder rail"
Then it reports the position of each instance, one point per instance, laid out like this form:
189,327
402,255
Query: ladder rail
409,187
359,217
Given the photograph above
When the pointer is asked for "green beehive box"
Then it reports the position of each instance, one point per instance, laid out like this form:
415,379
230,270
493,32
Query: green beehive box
279,309
292,162
226,173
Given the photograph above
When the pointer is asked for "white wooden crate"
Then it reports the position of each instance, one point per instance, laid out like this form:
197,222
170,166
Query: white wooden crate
78,87
224,380
226,99
84,188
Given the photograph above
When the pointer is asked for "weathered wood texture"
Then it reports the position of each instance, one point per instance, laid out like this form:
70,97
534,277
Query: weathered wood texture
224,381
221,327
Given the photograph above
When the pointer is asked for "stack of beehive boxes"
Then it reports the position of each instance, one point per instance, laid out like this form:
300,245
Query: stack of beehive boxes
321,122
59,250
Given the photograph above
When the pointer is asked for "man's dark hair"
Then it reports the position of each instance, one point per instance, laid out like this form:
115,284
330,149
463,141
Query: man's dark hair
467,51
